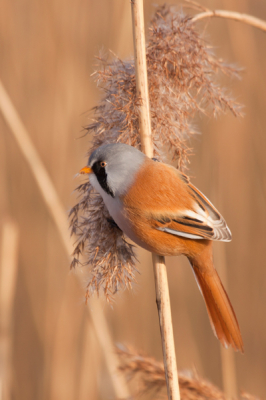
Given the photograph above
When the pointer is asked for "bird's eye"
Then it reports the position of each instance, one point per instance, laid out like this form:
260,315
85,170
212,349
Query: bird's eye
102,164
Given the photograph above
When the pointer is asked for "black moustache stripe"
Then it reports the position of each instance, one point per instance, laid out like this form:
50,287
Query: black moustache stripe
101,176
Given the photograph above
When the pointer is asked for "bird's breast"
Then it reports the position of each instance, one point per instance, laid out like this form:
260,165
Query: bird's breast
121,218
118,212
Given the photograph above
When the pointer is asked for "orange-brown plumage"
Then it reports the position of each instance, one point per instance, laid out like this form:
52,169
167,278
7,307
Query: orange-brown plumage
162,204
221,313
147,204
159,209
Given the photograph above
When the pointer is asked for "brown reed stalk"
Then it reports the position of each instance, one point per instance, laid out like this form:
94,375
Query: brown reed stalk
8,277
160,273
142,90
56,210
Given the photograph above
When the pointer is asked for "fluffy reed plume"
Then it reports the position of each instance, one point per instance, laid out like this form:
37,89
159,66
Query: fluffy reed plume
151,378
182,73
110,256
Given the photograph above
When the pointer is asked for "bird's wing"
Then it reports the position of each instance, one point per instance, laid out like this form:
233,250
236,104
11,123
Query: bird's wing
200,220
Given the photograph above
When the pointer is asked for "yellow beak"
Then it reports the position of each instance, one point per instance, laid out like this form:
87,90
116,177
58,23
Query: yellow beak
86,170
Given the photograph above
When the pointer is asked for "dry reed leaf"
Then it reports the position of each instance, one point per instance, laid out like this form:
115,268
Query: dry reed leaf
151,377
182,73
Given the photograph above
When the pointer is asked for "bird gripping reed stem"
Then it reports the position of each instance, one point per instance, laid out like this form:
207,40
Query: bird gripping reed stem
160,273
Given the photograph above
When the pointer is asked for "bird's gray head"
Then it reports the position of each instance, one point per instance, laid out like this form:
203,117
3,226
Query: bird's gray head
114,166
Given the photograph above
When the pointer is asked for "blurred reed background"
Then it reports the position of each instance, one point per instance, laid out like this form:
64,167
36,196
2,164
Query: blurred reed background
47,56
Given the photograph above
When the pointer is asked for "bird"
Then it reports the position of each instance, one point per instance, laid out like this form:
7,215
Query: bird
158,208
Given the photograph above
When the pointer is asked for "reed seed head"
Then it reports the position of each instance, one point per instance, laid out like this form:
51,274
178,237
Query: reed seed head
151,378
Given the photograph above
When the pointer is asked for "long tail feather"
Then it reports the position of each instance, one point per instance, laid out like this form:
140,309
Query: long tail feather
222,316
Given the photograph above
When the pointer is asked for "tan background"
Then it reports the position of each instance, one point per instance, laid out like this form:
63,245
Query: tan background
47,56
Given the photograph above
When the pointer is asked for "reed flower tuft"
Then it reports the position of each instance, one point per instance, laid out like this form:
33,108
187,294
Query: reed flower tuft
182,77
151,378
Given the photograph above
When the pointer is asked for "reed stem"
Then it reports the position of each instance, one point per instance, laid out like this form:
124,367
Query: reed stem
166,326
160,273
8,277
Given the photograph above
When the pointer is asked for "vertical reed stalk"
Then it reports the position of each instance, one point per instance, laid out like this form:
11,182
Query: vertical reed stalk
165,318
141,76
8,276
160,273
229,373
